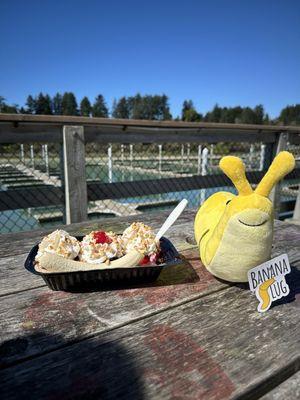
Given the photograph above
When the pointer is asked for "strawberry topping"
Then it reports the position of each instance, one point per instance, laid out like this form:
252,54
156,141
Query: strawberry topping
145,260
102,237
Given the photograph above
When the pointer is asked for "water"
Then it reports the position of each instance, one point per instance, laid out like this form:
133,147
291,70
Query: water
125,174
17,220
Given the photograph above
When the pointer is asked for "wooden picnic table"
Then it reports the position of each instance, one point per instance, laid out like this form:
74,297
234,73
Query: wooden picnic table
187,336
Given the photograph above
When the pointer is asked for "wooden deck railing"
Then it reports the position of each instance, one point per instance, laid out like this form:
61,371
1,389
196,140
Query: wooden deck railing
74,132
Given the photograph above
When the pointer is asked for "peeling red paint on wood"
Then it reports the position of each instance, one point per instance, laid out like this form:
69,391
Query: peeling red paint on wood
174,282
182,361
51,305
180,352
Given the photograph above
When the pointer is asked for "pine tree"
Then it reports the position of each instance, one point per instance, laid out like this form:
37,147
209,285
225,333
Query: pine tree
99,107
189,113
43,105
215,115
136,107
187,105
259,114
2,103
7,109
165,113
85,107
248,116
266,119
30,105
69,104
57,104
47,105
290,115
121,108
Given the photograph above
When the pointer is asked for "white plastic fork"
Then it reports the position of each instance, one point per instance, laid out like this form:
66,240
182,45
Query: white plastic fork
171,219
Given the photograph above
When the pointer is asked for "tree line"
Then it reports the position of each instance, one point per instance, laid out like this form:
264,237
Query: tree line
151,107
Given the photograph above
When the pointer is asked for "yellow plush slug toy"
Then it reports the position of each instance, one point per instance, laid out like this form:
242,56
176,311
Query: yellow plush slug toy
235,233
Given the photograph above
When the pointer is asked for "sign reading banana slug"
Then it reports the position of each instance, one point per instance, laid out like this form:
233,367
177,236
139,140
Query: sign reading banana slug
268,281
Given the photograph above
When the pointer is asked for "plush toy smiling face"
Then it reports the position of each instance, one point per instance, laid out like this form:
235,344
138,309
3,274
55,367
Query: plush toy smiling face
235,233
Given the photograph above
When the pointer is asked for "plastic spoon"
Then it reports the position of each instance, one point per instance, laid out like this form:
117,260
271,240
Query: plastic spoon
171,219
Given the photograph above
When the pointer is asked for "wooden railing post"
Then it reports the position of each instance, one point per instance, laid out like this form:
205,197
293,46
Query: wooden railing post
74,174
280,145
296,216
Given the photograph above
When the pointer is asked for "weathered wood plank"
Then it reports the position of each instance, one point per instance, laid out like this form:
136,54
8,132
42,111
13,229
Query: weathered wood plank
100,135
13,276
289,389
216,347
77,316
186,135
296,215
74,174
280,145
79,313
29,133
51,119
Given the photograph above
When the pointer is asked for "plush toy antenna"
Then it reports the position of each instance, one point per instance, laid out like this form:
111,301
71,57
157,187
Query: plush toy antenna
282,164
234,168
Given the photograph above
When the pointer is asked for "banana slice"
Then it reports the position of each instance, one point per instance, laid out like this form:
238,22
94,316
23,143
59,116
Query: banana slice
50,263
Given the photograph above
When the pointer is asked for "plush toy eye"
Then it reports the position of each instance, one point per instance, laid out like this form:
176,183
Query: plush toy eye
228,201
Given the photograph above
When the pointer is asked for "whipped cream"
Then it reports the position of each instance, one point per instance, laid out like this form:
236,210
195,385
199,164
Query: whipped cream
60,243
96,253
140,237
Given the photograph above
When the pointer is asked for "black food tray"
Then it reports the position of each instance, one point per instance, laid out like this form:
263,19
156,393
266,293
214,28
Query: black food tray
105,278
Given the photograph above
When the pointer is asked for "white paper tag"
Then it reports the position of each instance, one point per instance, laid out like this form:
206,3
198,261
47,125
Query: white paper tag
268,281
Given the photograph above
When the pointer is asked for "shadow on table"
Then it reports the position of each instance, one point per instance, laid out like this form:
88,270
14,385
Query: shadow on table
293,280
181,273
91,369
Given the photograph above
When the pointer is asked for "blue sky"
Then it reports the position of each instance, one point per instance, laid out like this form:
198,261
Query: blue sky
219,51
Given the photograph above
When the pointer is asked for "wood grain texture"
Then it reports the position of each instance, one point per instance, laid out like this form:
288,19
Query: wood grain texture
51,133
280,145
216,347
296,215
13,276
188,336
30,133
289,389
75,316
37,119
74,174
175,135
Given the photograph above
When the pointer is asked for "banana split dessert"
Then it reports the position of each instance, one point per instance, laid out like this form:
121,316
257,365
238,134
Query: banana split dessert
61,252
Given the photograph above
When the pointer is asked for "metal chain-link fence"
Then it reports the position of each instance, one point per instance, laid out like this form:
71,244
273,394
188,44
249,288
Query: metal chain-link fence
39,166
30,166
288,188
112,163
